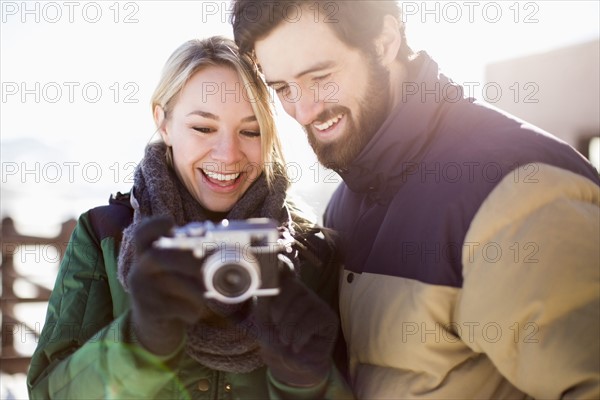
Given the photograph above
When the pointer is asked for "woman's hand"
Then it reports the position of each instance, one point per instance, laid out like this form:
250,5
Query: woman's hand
166,290
298,332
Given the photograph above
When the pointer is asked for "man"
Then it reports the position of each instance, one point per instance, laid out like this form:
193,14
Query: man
470,239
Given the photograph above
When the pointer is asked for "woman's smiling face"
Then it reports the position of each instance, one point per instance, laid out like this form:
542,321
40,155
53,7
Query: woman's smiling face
215,137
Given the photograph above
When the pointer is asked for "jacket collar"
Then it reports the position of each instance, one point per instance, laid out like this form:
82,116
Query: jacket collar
406,134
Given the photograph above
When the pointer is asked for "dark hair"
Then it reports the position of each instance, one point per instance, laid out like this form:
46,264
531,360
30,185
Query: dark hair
356,23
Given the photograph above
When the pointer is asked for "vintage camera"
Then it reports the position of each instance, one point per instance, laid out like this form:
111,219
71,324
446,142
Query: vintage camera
239,258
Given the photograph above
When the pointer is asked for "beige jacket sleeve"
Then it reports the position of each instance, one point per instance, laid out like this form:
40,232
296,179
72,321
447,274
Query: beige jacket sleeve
530,298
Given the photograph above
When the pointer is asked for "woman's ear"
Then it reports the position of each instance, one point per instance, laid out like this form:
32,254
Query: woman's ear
389,41
161,123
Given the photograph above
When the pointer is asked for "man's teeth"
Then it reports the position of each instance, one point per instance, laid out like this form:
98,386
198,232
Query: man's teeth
221,177
328,124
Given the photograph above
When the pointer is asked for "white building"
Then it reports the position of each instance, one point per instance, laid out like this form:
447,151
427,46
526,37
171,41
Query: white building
559,91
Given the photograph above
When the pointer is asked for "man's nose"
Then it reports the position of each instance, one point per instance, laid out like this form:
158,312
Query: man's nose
305,107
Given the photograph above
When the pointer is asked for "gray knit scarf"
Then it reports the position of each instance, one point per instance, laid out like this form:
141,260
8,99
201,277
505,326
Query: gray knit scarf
157,191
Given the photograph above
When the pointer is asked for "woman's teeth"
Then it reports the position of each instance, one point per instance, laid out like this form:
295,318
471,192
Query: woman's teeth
327,124
221,177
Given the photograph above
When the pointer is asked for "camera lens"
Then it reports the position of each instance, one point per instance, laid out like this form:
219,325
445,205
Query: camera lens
230,276
231,280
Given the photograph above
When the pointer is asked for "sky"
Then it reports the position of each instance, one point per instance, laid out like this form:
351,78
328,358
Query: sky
77,78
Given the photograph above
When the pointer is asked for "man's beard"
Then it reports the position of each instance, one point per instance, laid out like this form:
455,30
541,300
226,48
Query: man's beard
373,111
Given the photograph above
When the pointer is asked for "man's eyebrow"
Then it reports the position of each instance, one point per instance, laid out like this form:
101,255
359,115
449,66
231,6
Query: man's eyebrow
313,68
250,118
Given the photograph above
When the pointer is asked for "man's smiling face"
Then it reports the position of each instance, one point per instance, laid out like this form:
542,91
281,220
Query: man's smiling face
338,93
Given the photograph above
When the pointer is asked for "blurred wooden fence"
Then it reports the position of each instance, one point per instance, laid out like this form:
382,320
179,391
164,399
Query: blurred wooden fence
11,361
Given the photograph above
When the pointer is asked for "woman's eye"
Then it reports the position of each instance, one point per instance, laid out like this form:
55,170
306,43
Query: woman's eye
251,133
202,129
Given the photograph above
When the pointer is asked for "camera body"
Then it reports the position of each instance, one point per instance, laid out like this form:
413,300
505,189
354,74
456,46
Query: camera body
239,258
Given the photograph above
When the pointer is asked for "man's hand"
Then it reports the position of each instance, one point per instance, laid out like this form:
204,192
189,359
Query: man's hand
298,331
166,290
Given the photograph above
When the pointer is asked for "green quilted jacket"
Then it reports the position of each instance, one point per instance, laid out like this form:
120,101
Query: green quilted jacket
86,351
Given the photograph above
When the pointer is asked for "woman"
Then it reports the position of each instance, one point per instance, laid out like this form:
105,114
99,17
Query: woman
127,319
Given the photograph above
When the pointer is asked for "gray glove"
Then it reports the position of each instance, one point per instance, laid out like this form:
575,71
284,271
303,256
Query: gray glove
298,333
166,289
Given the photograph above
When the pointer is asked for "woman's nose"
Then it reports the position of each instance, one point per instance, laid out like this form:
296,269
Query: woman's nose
227,149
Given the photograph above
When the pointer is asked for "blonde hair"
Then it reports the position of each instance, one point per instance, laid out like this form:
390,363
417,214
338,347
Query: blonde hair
196,54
